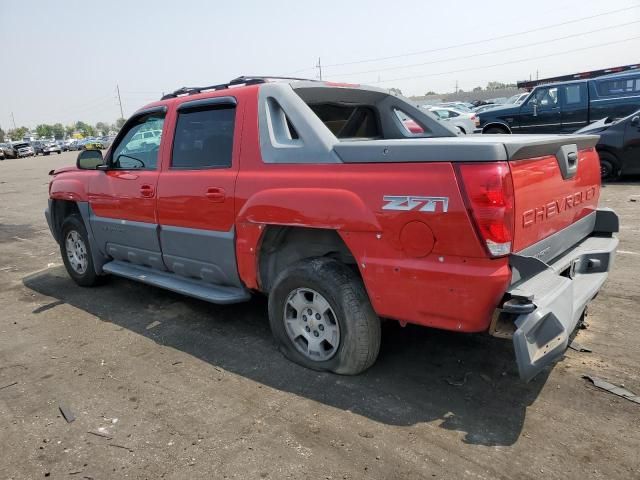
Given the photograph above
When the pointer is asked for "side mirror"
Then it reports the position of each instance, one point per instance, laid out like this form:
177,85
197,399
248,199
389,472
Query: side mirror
635,121
89,159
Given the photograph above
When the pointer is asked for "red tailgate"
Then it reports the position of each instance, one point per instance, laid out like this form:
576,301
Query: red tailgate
545,202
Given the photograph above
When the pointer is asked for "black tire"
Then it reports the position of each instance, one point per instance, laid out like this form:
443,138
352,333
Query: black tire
495,130
86,277
609,167
359,326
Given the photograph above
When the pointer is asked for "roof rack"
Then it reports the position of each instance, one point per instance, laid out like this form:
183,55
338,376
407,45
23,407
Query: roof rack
242,80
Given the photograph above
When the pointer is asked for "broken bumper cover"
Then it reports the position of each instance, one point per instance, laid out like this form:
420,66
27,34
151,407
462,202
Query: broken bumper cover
550,303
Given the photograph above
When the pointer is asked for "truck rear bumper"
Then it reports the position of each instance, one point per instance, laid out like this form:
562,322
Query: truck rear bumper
551,303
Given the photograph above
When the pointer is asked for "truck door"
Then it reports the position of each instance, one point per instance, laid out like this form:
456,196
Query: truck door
123,198
631,146
196,191
574,106
541,112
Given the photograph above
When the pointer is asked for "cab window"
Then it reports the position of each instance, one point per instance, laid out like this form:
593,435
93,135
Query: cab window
544,98
138,149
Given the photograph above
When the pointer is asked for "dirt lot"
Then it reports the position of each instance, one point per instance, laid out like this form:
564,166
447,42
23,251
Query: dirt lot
169,387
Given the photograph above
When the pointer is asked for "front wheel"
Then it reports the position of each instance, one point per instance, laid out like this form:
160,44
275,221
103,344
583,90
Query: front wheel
322,319
76,252
495,130
609,169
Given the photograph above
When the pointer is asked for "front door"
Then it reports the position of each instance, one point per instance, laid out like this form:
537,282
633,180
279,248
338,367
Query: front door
123,197
196,192
541,112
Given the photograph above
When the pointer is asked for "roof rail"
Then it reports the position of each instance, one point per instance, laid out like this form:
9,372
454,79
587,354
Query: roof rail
242,80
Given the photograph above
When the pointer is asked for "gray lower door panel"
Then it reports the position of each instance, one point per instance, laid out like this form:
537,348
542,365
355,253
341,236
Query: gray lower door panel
201,254
135,242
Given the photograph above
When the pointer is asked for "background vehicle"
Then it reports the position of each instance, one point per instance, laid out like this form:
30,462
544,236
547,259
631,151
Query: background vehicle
466,122
37,146
517,99
237,200
619,145
8,150
50,147
23,149
2,157
484,108
92,144
565,107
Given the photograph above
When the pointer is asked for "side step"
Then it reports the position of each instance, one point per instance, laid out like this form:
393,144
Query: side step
170,281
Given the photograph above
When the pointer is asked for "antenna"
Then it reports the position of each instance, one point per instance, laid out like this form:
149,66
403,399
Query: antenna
319,65
119,101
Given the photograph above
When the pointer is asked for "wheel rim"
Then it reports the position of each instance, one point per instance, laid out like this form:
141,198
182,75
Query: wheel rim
311,324
605,169
76,252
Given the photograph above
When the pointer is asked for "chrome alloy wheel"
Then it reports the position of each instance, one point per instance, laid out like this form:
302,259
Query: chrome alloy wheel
311,324
76,252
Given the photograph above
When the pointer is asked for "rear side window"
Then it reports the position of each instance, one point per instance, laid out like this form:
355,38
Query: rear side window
348,121
204,138
573,94
616,87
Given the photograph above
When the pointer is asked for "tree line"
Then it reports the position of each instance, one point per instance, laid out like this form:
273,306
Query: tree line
59,131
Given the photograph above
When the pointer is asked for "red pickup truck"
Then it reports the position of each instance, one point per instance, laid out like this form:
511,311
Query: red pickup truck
329,200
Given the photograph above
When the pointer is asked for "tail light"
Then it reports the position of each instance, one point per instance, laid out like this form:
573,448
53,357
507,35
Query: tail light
488,192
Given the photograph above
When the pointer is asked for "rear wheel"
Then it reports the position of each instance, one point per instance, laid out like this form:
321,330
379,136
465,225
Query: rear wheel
494,130
76,252
609,169
321,317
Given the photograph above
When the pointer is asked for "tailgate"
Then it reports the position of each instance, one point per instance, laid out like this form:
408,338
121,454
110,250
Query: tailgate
553,192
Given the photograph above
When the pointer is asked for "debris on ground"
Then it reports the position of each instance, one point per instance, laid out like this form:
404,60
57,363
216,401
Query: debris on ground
458,382
66,413
153,324
579,347
7,386
609,387
101,435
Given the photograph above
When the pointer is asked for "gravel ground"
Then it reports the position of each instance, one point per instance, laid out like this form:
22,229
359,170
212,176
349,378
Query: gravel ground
163,386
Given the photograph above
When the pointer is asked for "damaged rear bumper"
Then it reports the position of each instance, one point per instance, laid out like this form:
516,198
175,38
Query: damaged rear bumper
551,299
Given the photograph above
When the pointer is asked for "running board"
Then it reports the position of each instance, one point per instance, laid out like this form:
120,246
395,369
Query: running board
170,281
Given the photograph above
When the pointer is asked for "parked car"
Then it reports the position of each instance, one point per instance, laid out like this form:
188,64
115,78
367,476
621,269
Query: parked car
466,122
517,99
8,151
92,144
460,106
72,144
619,145
464,233
2,157
37,146
485,107
51,147
23,149
567,106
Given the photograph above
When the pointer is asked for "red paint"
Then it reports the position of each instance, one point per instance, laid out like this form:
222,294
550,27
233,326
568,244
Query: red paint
428,268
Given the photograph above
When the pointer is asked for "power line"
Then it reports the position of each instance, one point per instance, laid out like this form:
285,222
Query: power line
474,42
507,63
464,57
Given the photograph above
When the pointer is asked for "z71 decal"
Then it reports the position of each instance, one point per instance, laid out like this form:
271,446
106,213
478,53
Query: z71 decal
422,204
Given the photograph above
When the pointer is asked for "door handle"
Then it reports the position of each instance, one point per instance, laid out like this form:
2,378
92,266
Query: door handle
146,191
215,194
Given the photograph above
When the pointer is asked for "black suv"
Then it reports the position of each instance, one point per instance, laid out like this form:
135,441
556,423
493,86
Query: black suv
567,106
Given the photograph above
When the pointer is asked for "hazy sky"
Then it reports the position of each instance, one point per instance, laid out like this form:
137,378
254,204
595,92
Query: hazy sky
61,60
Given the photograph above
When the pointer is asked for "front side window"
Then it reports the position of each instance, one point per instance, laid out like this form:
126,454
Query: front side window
544,98
135,151
204,138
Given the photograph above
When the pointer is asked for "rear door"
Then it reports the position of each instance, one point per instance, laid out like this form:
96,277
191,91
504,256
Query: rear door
541,112
123,198
196,191
574,106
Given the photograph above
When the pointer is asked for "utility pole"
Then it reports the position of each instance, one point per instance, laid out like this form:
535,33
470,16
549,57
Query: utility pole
13,119
319,66
537,76
456,86
120,101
